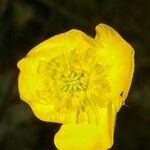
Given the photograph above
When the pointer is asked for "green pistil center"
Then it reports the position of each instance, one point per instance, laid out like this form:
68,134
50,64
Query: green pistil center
74,82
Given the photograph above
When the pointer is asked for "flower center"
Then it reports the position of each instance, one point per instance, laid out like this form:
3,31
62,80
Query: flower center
74,86
74,82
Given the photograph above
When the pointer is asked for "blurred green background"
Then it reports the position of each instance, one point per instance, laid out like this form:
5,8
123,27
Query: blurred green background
25,23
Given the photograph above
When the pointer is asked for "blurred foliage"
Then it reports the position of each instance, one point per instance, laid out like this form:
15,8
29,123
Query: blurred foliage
25,23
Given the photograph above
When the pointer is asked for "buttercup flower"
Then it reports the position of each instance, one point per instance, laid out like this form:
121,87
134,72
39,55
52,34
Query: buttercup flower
81,82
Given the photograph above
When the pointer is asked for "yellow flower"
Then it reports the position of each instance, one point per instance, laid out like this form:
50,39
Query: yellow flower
73,79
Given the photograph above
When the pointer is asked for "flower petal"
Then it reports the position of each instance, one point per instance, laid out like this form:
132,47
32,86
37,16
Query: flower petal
115,52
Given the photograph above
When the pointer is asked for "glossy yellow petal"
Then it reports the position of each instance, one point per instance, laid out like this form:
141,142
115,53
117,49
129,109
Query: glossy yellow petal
88,136
61,43
81,137
27,80
119,56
